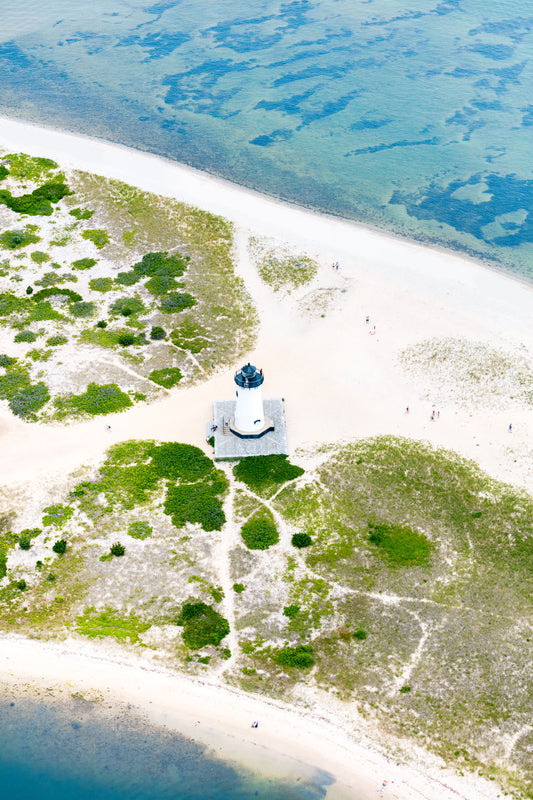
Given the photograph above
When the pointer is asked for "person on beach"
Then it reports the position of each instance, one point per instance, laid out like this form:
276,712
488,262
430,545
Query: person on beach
407,409
367,320
510,428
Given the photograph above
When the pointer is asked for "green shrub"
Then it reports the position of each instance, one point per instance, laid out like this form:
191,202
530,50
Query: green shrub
140,530
24,541
126,339
84,263
239,588
97,399
359,634
127,306
21,584
25,336
291,611
39,257
54,341
405,689
301,540
177,301
101,284
4,172
259,472
51,577
101,323
14,240
7,361
117,549
127,278
157,333
161,265
401,545
54,191
194,503
60,546
202,625
81,213
259,534
168,377
53,291
161,284
57,515
97,236
82,309
184,462
300,656
29,399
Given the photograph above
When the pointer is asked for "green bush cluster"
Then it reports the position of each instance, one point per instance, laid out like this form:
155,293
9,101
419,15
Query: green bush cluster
39,257
167,377
24,398
202,625
157,333
31,168
57,515
176,301
25,336
259,534
127,306
84,263
301,656
301,540
97,399
140,530
291,611
261,472
97,236
401,545
52,291
82,308
101,284
54,341
14,240
156,265
39,202
80,213
60,547
134,470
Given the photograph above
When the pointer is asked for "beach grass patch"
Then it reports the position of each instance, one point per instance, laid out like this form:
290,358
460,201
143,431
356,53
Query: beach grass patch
140,529
84,263
39,257
57,515
175,302
82,309
97,399
101,284
167,378
202,625
127,306
17,239
55,341
81,213
31,168
25,336
109,622
401,545
97,236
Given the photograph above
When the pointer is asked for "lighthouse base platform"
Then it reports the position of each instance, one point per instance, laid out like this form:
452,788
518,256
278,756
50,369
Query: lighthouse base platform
233,445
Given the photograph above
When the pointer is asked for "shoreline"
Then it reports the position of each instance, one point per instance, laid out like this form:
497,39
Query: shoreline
289,743
483,261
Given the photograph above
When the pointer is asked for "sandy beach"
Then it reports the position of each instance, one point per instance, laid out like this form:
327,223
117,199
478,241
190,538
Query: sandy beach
340,378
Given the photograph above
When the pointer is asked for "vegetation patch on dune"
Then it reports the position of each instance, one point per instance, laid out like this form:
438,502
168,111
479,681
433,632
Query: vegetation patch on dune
280,268
470,373
179,261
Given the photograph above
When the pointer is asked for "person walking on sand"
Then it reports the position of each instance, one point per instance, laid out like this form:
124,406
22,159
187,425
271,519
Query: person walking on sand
407,409
510,428
367,319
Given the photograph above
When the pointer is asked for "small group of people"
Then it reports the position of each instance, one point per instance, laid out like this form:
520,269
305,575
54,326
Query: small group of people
335,265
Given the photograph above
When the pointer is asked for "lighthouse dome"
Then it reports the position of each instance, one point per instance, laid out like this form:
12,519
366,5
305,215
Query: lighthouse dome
248,377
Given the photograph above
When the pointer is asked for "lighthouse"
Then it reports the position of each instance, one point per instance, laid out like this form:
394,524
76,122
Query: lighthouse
249,421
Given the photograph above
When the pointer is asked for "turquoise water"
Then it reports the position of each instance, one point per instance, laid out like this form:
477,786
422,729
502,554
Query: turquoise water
412,116
79,751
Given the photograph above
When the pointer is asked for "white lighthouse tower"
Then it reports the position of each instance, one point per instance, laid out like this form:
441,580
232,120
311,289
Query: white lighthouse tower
249,421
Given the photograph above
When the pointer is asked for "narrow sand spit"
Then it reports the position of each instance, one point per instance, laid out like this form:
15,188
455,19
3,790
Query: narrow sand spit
340,381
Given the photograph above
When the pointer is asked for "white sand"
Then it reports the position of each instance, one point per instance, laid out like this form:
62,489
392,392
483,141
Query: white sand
338,382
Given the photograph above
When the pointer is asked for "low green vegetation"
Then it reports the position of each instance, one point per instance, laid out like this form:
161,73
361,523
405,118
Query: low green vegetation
17,239
400,544
202,625
109,622
57,515
84,263
97,399
262,473
167,377
299,657
97,236
259,533
140,530
281,269
300,540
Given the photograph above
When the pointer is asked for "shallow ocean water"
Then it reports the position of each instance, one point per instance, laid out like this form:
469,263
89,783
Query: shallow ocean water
80,751
415,117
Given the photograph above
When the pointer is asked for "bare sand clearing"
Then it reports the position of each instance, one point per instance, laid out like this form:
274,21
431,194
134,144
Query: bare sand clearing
340,380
